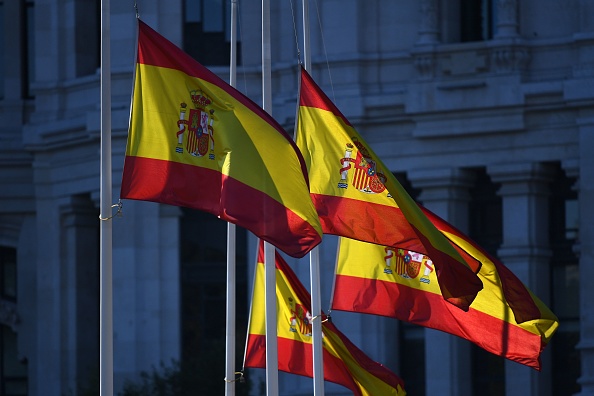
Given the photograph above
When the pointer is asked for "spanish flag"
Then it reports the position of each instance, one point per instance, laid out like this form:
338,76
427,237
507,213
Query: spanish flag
195,141
402,284
357,196
344,363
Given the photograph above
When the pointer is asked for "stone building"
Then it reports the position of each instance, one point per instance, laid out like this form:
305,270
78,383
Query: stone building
483,108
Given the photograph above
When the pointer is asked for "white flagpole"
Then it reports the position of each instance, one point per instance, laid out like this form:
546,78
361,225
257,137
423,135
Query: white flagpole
314,256
316,308
269,259
231,244
105,251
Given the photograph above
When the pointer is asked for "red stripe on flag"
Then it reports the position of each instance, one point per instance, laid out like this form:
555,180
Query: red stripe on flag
297,358
342,216
204,189
412,305
309,97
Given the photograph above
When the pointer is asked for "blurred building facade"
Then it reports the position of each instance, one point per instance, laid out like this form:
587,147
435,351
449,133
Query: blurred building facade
483,109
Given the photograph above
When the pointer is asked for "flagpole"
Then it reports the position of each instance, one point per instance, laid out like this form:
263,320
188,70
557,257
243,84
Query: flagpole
231,244
105,251
269,256
314,256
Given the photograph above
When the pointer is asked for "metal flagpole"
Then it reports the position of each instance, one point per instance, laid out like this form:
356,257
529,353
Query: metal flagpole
230,328
314,256
316,308
105,255
231,244
269,256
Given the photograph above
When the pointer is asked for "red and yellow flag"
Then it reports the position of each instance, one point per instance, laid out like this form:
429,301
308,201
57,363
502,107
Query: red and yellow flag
356,195
195,141
344,363
402,284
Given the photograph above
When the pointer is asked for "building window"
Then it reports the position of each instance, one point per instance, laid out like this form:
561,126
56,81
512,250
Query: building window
8,277
207,31
563,234
2,35
477,20
203,260
87,36
28,53
486,229
13,371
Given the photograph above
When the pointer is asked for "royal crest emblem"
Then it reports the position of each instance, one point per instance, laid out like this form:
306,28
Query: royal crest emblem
365,176
197,131
407,264
300,320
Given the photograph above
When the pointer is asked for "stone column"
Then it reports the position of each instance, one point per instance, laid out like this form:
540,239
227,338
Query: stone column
429,22
586,254
80,291
507,19
525,251
446,193
146,288
45,366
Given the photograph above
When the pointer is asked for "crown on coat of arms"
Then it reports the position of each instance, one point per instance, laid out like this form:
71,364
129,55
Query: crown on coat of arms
199,99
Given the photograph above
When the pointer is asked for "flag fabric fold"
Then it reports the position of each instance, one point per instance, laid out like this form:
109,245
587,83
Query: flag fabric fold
356,195
344,363
523,304
402,284
195,141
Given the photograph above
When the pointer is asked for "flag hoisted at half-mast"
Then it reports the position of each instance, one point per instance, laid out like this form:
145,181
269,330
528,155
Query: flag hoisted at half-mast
505,318
195,141
356,196
344,363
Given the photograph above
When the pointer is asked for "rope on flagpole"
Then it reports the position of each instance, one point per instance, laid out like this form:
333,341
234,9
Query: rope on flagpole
241,378
118,213
295,33
319,316
136,9
325,50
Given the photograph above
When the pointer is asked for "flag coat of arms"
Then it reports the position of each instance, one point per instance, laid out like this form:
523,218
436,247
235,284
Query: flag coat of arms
402,284
344,363
356,196
195,141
